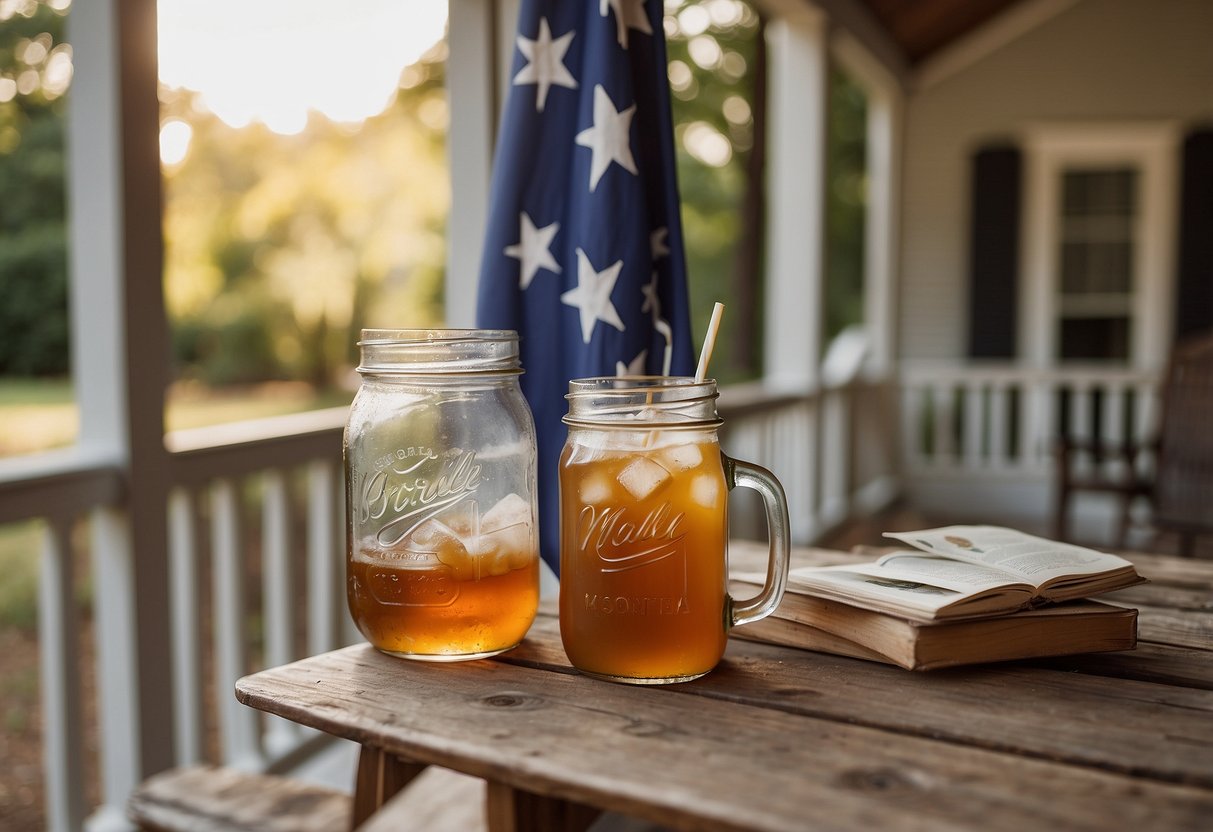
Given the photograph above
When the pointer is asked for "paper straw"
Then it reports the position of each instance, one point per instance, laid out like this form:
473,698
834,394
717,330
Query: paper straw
709,342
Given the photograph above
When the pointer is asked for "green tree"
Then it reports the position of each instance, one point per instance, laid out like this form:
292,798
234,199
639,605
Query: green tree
718,79
35,70
846,204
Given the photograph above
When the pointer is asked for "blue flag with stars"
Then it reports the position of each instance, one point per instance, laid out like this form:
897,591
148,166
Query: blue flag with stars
583,253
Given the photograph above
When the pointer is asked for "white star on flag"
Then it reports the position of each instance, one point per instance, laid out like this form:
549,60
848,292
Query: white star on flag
634,368
592,297
608,139
545,62
628,14
533,249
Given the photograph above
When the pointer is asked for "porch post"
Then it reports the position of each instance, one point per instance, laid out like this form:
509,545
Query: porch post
798,66
884,95
120,369
473,87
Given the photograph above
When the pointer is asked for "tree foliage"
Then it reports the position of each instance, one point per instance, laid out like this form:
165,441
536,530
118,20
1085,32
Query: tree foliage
715,73
34,71
280,248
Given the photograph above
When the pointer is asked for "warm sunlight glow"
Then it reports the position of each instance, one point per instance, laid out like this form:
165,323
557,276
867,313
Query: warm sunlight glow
705,143
175,138
274,60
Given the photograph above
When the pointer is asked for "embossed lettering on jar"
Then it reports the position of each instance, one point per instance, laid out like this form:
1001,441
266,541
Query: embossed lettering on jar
442,546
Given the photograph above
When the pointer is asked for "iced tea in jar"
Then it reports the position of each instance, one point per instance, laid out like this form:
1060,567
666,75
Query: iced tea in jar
442,551
644,527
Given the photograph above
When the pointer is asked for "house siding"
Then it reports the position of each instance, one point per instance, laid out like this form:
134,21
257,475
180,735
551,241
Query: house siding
1100,60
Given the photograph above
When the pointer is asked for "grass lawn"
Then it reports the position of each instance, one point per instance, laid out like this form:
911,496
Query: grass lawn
39,414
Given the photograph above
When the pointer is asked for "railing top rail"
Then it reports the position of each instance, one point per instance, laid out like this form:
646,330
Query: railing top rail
59,482
255,431
754,398
241,448
919,372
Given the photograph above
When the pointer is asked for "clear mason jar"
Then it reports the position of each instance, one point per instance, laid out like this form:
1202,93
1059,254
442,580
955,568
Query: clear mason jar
442,548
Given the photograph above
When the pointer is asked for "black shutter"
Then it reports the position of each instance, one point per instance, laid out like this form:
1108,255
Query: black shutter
1194,290
994,252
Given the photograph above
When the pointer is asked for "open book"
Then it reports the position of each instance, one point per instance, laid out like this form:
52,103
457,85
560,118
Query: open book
968,572
830,627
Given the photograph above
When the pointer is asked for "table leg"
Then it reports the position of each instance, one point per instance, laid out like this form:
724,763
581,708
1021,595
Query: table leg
511,810
380,775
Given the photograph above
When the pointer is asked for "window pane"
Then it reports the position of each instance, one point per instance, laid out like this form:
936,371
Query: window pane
1099,192
1094,339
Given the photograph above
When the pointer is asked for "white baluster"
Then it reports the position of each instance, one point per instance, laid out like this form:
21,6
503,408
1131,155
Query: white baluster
114,607
58,626
999,425
323,555
1080,422
277,589
1112,424
943,450
237,724
912,414
185,618
974,423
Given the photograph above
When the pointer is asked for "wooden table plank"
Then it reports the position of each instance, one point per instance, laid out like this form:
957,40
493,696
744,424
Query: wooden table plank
1163,596
1183,628
1162,664
718,763
1044,713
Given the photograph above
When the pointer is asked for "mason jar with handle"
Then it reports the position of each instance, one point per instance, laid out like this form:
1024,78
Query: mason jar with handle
442,550
644,530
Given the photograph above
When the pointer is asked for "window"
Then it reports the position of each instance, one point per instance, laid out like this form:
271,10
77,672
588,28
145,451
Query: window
1099,244
1095,304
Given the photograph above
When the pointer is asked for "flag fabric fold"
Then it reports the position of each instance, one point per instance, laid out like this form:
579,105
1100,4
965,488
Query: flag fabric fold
583,251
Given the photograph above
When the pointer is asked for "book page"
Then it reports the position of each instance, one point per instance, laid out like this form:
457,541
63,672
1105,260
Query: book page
1033,559
958,575
885,591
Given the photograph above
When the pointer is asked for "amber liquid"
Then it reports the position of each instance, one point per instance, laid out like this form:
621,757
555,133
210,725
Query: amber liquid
439,611
642,560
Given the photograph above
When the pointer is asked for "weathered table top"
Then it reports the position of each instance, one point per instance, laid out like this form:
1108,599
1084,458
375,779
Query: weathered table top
780,739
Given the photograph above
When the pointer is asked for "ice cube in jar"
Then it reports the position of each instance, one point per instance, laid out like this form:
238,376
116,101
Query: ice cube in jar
643,476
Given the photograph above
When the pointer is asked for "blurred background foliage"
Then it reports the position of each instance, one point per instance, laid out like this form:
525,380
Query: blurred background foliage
35,71
280,247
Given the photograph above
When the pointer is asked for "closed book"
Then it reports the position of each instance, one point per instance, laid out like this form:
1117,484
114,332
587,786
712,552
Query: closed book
829,626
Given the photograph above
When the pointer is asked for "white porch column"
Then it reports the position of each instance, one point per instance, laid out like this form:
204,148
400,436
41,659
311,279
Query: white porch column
120,354
885,97
473,86
798,66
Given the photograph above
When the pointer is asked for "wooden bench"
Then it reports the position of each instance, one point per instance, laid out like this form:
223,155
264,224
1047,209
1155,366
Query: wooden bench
209,798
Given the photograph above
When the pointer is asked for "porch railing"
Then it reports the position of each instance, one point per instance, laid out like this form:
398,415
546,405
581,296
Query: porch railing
832,448
978,440
1006,419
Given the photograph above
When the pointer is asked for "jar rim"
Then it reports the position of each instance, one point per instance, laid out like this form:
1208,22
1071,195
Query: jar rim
640,402
439,352
376,337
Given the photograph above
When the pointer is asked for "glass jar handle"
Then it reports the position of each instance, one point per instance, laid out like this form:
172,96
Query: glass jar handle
748,475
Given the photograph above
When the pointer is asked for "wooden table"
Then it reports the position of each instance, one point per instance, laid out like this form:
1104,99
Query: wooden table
780,739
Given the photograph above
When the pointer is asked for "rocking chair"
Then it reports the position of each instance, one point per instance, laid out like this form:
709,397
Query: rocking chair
1181,488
